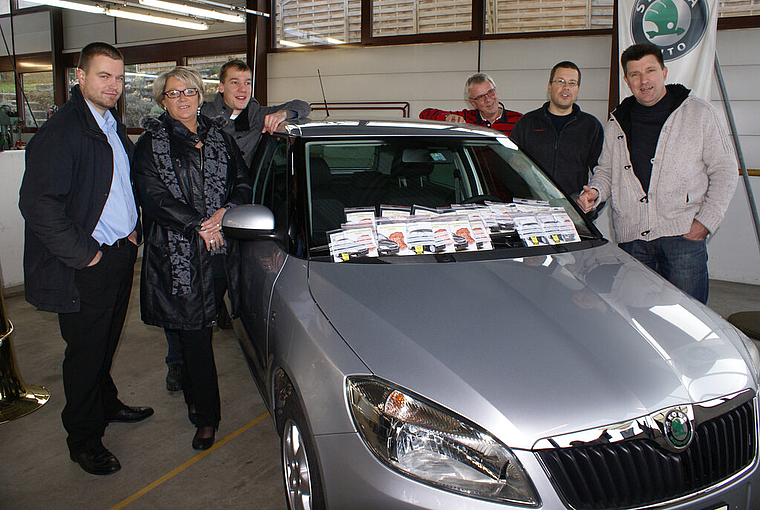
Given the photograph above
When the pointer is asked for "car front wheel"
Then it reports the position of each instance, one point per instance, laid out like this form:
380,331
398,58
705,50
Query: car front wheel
303,488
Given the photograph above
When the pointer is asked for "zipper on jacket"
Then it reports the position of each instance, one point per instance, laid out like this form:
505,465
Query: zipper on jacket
202,246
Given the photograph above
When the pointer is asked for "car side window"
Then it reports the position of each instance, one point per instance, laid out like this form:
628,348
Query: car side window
271,183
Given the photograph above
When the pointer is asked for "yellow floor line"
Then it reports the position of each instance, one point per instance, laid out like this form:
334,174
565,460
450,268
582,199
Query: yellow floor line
171,474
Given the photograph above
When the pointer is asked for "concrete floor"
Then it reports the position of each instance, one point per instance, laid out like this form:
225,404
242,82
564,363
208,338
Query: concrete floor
159,468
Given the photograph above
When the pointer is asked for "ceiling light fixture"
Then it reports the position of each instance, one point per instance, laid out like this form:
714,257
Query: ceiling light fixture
185,9
149,18
193,11
63,4
290,43
227,6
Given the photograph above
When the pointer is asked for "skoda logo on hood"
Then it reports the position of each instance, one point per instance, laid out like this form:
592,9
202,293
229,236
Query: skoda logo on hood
676,26
678,431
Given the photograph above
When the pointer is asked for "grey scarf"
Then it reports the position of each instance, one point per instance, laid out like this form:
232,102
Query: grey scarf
214,167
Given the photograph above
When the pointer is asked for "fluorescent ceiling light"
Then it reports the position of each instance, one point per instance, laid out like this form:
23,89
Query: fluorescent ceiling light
118,13
332,40
193,11
232,7
149,18
95,9
290,43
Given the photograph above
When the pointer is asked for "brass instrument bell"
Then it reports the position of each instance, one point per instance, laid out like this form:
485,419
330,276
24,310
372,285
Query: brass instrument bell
16,398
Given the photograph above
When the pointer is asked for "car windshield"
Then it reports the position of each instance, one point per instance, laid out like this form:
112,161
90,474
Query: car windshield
421,180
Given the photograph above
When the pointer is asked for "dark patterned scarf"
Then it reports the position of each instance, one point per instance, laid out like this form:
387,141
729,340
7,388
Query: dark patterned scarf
215,158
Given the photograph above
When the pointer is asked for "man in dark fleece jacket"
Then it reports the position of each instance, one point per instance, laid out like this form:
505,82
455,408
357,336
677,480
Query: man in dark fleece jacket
565,141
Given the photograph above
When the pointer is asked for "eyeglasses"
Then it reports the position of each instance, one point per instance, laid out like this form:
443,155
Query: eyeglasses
562,83
174,94
491,93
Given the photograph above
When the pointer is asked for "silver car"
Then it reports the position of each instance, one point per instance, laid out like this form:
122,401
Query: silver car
552,376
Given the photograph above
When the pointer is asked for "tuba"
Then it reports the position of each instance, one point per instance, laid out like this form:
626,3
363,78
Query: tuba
16,398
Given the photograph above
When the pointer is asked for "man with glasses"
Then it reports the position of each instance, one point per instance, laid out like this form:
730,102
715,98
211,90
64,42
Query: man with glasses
562,139
80,247
480,91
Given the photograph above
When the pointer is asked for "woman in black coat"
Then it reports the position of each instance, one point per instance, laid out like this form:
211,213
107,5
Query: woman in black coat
187,174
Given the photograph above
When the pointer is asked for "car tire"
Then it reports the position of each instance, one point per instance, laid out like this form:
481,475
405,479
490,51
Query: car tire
303,482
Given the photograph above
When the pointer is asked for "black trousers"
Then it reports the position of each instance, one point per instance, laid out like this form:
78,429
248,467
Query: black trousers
199,379
91,337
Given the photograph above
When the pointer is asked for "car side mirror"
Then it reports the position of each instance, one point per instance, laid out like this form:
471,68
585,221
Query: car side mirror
249,222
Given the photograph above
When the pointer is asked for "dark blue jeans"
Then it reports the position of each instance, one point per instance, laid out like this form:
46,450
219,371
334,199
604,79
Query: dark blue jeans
681,261
174,354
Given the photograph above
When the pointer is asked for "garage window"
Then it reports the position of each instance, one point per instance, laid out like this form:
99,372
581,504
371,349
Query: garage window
138,90
38,88
317,22
409,17
208,66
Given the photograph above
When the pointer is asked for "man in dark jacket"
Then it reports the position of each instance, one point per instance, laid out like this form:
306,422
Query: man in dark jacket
80,247
246,119
565,141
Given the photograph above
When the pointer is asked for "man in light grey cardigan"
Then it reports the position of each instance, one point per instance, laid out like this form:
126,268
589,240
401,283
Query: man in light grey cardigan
669,170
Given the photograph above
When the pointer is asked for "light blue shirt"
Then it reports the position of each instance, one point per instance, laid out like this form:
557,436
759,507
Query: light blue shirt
119,216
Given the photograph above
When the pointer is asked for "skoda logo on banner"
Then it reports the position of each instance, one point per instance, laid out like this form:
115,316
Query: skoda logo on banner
678,429
676,26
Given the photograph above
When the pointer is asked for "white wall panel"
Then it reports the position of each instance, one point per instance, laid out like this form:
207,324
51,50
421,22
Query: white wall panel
351,60
738,47
751,151
542,54
746,115
31,33
734,251
596,107
741,81
81,28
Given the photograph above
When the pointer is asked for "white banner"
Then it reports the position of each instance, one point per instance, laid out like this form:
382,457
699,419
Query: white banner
685,32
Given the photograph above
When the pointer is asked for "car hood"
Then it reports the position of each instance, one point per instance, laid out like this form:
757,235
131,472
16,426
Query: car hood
534,347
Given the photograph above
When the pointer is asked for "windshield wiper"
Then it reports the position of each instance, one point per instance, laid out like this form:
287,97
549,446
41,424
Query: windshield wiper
319,250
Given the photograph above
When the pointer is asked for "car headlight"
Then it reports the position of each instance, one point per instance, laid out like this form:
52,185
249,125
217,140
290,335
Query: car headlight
433,445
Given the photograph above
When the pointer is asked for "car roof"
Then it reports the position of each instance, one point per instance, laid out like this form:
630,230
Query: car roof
308,128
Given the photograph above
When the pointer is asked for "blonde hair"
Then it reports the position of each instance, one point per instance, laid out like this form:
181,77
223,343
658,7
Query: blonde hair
190,77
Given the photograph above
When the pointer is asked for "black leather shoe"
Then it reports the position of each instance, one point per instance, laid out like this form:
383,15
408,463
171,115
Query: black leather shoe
130,414
97,461
203,443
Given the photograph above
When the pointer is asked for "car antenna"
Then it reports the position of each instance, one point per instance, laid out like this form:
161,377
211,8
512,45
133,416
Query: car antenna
324,99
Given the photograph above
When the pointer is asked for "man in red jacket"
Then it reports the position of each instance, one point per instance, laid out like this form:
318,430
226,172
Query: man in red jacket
480,91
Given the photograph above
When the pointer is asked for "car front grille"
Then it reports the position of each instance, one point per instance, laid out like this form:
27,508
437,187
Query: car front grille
638,472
